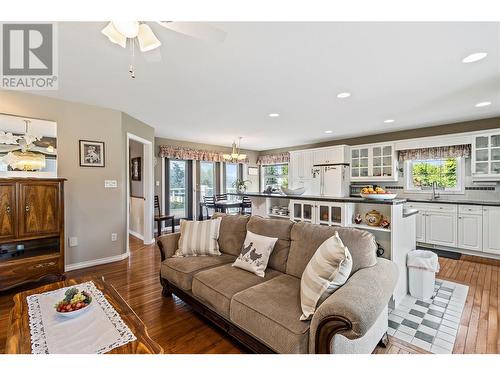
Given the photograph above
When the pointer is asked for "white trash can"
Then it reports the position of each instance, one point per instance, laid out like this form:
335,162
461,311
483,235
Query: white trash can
422,268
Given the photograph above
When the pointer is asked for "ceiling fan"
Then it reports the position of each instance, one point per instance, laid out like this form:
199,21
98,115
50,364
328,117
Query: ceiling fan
119,32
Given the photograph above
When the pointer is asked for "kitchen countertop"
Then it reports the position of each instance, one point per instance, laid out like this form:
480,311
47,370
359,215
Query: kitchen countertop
455,201
323,199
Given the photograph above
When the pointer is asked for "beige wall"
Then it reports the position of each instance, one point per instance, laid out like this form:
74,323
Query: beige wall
92,212
459,127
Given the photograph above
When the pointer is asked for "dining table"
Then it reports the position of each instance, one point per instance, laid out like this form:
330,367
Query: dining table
224,205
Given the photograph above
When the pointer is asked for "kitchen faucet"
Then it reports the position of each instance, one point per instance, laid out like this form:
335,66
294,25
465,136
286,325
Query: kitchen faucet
434,194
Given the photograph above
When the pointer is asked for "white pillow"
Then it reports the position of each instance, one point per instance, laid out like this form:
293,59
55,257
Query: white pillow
255,253
328,270
199,238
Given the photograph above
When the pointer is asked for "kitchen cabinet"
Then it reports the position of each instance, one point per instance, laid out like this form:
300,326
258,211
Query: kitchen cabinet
486,157
300,168
491,233
375,162
331,155
441,228
316,212
436,223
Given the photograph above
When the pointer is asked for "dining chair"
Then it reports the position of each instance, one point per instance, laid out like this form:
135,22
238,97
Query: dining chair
221,197
209,203
246,206
161,218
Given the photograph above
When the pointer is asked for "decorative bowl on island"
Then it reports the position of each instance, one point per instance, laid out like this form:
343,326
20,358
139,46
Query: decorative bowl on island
377,194
298,191
74,303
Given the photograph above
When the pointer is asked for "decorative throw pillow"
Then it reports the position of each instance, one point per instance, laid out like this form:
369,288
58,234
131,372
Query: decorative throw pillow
199,238
327,271
255,253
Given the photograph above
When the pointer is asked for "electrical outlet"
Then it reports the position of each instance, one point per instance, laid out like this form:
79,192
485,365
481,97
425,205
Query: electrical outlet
110,183
157,183
73,241
114,237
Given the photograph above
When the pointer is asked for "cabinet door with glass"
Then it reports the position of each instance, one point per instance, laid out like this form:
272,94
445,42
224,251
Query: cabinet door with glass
382,166
359,163
331,214
302,211
486,157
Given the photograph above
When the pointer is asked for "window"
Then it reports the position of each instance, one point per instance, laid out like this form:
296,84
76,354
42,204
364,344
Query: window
446,173
275,175
230,177
207,178
178,181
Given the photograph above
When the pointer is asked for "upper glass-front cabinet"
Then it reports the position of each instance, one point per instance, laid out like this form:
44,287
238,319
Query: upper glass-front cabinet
486,157
373,163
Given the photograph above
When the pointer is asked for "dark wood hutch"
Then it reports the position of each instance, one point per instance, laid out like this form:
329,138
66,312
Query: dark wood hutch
31,230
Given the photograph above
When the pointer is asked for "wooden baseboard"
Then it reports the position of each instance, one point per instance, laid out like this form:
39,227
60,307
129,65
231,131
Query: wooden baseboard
95,262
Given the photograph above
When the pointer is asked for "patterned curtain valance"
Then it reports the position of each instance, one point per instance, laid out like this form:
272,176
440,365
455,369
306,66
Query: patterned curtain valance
184,153
282,158
435,153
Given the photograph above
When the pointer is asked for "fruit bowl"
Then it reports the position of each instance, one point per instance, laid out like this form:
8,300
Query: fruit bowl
298,191
379,197
74,303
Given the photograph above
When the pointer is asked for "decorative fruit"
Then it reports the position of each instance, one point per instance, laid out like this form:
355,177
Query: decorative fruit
73,300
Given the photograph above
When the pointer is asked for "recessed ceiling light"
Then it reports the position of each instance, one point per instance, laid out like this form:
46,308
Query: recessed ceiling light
389,120
483,104
343,95
474,57
274,115
328,131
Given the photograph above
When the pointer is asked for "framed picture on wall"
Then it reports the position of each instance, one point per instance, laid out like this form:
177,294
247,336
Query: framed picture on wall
91,154
135,169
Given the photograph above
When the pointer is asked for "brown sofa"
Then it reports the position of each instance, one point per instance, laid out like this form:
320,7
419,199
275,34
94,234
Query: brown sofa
263,313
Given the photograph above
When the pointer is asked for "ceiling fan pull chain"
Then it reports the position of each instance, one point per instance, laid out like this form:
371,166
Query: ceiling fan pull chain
131,67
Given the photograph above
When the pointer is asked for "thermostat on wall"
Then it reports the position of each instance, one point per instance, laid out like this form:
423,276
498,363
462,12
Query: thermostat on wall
110,183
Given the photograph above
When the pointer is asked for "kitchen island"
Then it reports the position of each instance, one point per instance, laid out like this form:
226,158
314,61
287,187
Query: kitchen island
396,238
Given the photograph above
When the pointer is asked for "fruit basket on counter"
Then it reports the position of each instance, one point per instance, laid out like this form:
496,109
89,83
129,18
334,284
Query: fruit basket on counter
377,194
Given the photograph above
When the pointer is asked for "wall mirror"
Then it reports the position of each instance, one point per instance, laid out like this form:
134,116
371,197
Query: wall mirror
28,147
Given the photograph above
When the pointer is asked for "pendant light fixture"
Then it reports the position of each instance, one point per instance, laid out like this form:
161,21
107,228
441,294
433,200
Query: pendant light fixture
235,156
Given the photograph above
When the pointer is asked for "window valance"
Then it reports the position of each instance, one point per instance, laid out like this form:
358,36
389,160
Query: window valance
184,153
429,153
282,158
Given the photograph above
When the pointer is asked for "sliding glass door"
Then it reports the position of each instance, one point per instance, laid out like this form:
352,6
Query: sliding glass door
207,179
179,188
231,174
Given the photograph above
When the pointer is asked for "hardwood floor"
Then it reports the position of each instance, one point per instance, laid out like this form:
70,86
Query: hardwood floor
175,326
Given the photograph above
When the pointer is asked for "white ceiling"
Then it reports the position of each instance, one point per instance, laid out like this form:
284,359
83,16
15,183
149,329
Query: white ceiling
212,93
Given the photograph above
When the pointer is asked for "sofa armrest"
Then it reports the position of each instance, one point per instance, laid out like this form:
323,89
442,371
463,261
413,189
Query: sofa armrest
168,244
354,308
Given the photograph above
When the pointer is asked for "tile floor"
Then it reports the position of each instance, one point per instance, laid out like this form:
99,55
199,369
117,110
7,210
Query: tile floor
431,325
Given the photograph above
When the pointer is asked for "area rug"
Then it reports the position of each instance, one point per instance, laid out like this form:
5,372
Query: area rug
430,325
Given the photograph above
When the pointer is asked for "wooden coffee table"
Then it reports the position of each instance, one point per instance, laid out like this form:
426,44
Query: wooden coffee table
19,337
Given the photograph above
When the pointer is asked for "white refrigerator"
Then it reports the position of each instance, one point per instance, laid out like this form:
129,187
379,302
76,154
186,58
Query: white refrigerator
331,180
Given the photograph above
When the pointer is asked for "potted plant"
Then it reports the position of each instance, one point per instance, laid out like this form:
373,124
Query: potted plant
241,185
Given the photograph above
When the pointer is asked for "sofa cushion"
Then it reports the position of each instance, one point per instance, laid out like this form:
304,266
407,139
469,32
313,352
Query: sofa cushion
274,228
216,286
306,238
232,232
270,311
180,271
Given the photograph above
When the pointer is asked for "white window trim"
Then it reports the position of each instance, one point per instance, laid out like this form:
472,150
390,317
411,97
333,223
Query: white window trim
408,187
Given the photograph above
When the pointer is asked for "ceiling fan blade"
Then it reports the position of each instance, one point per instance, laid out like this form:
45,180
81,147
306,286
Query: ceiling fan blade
197,30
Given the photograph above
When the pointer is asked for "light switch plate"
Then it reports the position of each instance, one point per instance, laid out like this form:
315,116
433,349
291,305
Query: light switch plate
110,183
73,241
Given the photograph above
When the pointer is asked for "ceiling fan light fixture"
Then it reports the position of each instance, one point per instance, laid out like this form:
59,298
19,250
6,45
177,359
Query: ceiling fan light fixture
128,29
147,39
114,35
